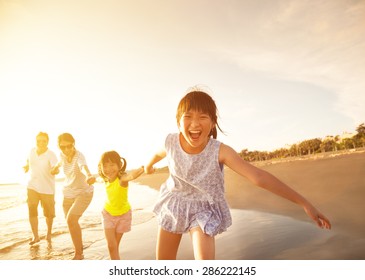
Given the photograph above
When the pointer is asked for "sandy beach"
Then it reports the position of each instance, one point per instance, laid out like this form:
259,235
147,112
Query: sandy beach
265,227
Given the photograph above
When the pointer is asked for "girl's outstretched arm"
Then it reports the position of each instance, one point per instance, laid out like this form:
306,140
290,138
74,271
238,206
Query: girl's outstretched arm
265,180
134,174
156,158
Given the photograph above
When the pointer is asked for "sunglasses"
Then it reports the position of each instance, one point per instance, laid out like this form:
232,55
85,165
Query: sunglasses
64,147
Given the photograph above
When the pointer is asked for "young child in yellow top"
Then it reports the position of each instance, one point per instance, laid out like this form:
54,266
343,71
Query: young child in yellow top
117,214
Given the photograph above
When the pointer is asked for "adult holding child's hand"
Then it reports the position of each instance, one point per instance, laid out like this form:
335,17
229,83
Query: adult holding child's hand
91,179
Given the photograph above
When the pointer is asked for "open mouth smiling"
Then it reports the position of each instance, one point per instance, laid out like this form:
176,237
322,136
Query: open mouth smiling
195,134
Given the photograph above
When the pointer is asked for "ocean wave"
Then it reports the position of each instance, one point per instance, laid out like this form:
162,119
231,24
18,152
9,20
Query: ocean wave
10,202
12,196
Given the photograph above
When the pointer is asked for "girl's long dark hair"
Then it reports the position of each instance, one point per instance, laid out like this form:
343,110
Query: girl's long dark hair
114,157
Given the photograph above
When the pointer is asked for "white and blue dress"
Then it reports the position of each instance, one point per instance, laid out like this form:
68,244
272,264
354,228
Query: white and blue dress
193,195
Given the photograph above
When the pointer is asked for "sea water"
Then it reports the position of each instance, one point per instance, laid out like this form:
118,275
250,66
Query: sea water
16,232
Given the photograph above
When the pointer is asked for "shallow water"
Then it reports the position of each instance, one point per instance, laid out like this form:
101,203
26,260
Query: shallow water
16,232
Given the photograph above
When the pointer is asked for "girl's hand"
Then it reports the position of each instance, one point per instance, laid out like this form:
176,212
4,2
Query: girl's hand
90,179
317,217
149,169
141,170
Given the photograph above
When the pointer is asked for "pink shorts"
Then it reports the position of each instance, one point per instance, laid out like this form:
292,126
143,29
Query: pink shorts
121,223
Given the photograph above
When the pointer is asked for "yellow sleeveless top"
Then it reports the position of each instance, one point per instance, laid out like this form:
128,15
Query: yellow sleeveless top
116,203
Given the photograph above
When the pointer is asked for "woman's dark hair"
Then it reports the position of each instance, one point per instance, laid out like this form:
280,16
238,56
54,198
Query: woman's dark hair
66,137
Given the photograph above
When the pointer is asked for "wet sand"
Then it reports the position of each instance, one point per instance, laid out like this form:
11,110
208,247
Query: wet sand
266,226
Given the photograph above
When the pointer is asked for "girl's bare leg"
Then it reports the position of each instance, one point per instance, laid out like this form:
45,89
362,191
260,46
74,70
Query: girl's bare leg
203,244
167,245
113,239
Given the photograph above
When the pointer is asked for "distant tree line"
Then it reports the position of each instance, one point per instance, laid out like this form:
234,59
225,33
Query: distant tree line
311,146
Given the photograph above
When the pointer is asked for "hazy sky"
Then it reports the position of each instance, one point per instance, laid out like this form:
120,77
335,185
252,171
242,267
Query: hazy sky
112,72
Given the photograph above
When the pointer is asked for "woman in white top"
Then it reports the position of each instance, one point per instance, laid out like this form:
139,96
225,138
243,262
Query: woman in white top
77,189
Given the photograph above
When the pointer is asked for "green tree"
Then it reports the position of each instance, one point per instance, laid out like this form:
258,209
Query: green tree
361,129
348,143
359,138
328,145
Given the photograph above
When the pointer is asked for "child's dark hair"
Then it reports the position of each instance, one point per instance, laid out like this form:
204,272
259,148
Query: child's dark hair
200,101
114,157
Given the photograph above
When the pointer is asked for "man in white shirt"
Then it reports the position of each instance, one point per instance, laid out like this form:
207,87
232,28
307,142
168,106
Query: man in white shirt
41,185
